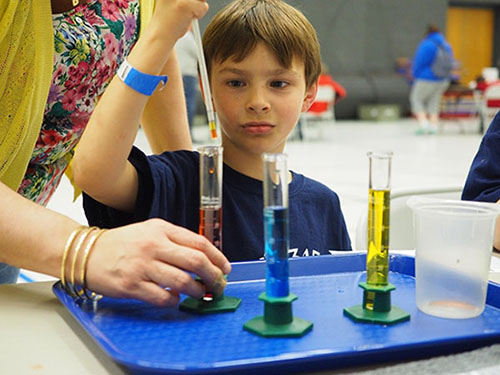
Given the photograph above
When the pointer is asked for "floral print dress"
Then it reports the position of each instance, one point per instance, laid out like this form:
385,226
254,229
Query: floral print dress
91,41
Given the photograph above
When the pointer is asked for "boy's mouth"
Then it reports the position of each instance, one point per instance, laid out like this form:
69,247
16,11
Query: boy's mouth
258,127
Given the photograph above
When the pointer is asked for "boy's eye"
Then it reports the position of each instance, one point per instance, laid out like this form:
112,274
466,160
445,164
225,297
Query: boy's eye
279,84
235,83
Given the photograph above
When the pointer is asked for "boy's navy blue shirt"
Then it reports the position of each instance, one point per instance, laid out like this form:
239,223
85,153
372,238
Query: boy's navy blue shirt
483,181
169,189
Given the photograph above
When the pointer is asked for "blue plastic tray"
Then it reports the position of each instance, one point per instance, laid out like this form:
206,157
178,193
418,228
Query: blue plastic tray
148,339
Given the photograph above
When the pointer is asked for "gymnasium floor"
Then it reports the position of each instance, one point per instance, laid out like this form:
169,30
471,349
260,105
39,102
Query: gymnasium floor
335,154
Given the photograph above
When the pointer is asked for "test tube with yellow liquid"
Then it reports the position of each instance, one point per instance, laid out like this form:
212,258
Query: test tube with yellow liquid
376,307
377,258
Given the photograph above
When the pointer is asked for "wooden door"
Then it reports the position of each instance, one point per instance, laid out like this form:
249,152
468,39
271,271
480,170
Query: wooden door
470,33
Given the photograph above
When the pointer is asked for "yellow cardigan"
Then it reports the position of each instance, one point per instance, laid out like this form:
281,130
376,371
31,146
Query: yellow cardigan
26,54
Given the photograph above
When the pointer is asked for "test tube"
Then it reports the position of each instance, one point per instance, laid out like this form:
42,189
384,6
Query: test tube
211,194
276,235
377,258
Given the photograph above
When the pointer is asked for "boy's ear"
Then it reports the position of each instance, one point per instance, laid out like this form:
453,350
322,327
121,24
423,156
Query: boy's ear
309,97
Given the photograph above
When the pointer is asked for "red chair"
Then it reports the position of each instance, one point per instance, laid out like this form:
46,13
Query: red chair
323,107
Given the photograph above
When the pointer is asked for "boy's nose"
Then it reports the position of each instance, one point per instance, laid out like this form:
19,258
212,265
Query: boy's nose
257,101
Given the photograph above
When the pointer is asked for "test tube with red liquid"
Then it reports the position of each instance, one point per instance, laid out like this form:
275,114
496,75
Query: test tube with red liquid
211,194
214,300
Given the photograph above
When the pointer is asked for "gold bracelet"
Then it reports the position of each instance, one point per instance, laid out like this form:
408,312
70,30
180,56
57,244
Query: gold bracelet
67,247
86,253
75,2
81,240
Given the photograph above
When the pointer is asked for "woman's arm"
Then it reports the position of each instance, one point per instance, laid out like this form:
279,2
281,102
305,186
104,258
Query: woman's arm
136,261
32,237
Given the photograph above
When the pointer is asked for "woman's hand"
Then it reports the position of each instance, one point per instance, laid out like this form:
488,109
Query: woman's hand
150,261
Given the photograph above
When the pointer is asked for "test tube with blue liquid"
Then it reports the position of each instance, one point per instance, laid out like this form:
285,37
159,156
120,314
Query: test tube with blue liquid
278,319
211,228
276,235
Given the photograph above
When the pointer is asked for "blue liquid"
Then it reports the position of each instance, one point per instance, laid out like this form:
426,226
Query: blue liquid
276,240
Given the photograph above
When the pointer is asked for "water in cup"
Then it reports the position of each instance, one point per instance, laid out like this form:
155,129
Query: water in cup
459,295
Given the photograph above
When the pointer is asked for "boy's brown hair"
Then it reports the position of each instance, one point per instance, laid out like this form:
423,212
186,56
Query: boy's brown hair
235,31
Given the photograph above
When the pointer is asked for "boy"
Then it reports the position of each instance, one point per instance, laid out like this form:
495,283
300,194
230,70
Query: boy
263,61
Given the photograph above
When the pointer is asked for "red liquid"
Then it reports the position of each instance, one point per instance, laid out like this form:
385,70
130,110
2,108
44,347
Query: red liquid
211,225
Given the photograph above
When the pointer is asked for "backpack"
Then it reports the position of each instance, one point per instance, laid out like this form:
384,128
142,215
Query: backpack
443,62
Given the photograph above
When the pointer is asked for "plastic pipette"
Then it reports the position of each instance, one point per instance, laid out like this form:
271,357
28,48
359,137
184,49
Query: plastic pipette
204,80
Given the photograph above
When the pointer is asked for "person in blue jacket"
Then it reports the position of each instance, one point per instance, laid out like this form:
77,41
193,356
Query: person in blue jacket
429,82
483,181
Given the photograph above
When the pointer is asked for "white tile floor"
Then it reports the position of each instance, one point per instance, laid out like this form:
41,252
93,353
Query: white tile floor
336,156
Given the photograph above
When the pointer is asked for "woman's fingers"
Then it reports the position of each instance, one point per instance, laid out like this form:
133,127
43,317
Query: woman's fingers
193,261
177,280
153,293
187,238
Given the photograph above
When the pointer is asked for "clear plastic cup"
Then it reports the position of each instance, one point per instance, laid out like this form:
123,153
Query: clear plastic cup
454,242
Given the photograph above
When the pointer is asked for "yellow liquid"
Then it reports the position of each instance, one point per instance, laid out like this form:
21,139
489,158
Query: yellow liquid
370,300
377,259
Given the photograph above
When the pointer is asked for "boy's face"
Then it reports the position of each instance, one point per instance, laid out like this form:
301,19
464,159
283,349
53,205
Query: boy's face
258,101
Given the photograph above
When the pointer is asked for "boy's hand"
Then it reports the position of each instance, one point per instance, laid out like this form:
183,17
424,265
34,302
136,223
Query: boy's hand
139,261
173,17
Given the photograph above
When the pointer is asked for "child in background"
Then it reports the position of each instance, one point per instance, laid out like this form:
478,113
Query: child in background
263,61
483,181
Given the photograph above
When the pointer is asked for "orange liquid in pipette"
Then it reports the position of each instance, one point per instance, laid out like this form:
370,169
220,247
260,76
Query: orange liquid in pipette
213,130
